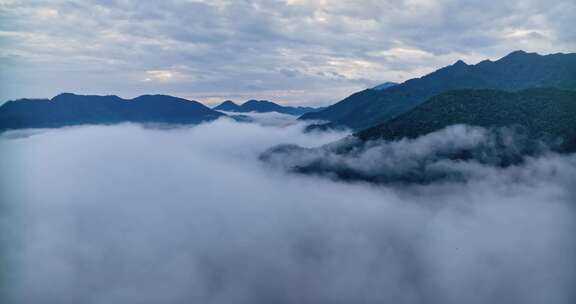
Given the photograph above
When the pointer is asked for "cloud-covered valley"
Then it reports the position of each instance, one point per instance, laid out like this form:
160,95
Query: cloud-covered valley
455,153
125,214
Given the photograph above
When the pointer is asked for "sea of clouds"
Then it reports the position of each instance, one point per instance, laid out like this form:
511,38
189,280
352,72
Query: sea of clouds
456,153
126,214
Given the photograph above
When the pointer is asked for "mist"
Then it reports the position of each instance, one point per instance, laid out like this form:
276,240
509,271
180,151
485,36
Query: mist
126,214
455,153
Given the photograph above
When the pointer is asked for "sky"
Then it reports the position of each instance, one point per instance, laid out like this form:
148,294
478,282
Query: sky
312,52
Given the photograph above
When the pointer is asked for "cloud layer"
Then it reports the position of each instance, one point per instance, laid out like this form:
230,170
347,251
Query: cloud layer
299,51
456,153
122,214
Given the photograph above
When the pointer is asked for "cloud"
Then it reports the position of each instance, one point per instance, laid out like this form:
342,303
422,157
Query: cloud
105,47
47,13
159,75
456,153
122,214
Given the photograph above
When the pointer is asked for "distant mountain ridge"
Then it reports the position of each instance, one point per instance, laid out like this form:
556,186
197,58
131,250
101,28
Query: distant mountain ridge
384,86
69,109
516,71
263,106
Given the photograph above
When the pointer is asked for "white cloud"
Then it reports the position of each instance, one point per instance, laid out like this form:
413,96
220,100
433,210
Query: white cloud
122,214
230,45
45,12
404,54
159,75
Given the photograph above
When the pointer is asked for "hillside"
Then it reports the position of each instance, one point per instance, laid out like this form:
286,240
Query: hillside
70,109
517,71
545,112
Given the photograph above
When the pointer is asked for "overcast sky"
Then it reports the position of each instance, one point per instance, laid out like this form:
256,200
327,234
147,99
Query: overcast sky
293,51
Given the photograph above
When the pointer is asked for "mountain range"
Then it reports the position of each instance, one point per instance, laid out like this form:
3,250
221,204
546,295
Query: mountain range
69,109
473,128
516,71
518,107
521,89
263,106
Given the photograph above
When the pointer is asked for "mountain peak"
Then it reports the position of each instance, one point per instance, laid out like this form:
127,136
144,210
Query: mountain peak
227,105
519,54
64,95
254,105
460,63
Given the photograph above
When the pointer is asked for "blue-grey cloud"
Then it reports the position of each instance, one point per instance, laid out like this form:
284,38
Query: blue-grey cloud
209,50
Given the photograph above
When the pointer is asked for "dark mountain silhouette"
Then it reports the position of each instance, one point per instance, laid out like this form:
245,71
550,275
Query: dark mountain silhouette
517,71
517,126
384,86
542,112
70,109
263,106
228,106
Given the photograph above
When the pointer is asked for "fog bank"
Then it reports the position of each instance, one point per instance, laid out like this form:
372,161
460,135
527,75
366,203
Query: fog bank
124,214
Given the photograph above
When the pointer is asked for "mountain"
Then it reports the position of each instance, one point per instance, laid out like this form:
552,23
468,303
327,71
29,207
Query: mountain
451,136
228,106
384,86
70,109
263,106
516,71
542,112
